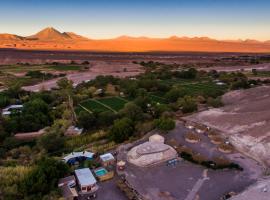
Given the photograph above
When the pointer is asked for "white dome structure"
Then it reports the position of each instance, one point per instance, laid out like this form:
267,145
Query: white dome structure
151,153
156,138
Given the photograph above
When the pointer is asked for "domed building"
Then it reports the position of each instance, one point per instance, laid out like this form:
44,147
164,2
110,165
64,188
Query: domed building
151,153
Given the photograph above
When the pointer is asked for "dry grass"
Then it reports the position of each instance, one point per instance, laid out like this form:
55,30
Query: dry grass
225,148
192,137
217,140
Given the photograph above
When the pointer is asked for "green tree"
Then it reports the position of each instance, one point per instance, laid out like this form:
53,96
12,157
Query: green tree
132,111
187,104
51,141
43,178
174,94
4,100
217,102
160,108
106,118
164,124
122,129
86,120
35,115
143,102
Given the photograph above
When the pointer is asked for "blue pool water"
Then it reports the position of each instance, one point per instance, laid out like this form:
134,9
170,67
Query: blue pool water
101,172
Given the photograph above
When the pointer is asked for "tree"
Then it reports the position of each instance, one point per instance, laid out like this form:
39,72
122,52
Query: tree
160,108
187,104
164,124
86,120
35,115
106,118
51,141
143,102
254,71
122,129
217,102
43,178
132,111
174,94
66,87
4,100
85,62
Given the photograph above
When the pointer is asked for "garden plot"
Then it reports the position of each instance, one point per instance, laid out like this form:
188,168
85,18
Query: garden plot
113,104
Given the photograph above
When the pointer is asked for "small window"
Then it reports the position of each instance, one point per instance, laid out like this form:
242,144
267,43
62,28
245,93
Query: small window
84,188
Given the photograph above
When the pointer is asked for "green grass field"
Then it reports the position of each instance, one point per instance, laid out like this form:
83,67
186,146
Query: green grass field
113,104
93,106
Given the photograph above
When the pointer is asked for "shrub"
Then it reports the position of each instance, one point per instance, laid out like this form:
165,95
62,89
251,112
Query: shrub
122,129
164,124
216,103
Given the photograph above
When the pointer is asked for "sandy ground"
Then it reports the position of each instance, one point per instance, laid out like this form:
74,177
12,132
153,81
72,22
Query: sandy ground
115,68
245,120
141,44
258,191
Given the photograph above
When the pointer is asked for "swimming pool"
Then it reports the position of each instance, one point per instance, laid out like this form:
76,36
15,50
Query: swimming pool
101,172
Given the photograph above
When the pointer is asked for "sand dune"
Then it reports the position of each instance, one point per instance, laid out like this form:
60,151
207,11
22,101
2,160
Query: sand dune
51,39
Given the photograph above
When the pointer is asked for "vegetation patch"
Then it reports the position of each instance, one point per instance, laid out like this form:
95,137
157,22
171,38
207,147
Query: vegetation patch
65,67
94,106
113,102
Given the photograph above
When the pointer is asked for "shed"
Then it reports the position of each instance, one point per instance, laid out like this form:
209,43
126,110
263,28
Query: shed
72,130
107,159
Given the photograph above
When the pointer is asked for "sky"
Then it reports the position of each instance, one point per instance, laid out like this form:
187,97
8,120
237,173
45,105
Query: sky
219,19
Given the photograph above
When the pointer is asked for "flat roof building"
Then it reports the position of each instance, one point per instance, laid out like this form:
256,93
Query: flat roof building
86,180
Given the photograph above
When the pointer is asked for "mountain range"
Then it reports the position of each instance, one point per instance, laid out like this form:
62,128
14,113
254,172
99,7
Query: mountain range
52,39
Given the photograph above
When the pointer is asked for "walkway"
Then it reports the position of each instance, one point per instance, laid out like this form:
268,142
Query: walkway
192,195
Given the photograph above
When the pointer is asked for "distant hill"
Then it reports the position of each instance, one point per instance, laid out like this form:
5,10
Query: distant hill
50,34
52,39
75,36
6,36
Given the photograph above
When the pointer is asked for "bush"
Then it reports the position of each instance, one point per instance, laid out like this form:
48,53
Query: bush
187,104
174,94
216,103
43,178
164,124
122,129
86,120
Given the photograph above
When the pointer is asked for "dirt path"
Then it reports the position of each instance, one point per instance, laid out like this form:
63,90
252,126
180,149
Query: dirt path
193,193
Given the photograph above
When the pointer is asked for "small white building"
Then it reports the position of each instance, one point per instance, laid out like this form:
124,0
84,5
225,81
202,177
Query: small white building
86,181
107,159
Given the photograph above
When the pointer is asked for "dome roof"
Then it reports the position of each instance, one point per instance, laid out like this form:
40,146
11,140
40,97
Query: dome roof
150,153
156,138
